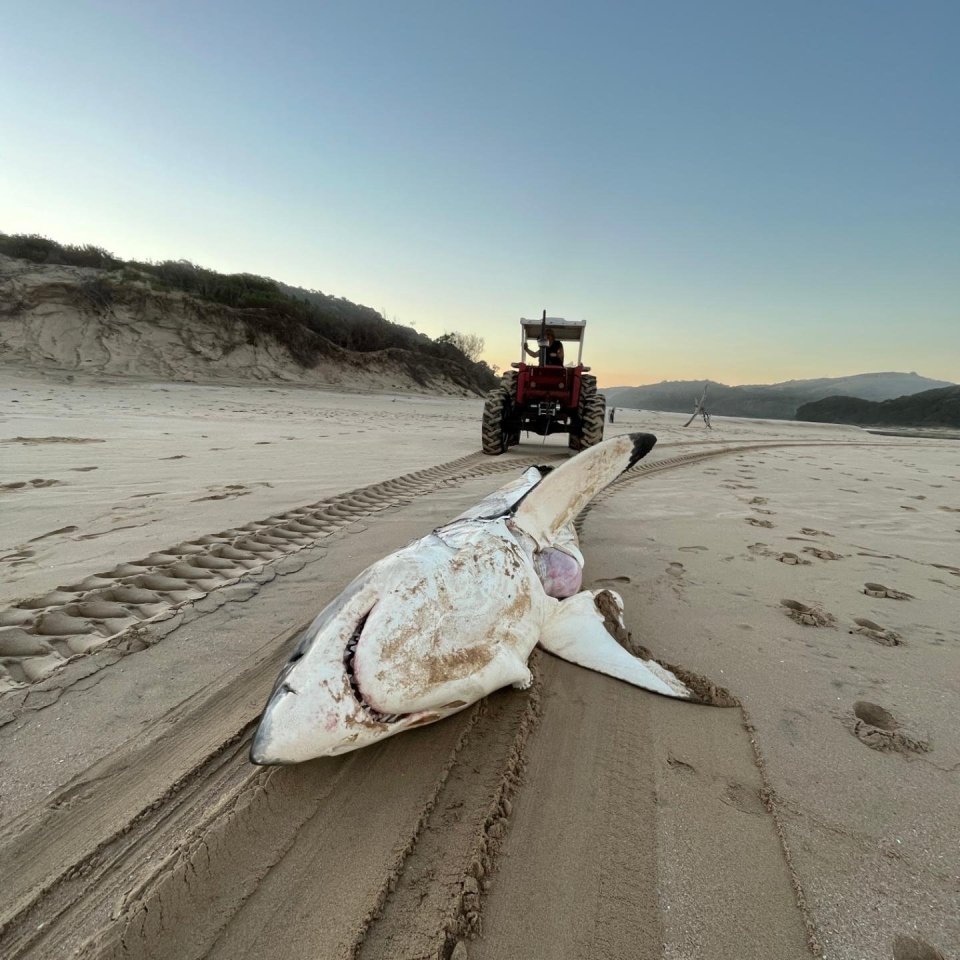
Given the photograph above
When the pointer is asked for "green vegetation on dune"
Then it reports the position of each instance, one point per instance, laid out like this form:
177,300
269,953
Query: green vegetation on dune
932,408
304,321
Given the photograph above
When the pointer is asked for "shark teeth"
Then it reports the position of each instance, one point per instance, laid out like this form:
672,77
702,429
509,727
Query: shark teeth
348,656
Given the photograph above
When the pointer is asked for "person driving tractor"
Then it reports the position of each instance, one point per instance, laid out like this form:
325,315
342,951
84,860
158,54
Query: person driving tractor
552,348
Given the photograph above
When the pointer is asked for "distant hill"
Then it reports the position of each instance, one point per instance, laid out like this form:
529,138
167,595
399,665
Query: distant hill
775,401
81,308
932,408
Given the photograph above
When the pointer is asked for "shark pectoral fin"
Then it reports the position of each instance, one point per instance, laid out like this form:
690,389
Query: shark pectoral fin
580,631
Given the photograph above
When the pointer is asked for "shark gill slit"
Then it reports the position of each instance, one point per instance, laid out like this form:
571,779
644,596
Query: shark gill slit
350,651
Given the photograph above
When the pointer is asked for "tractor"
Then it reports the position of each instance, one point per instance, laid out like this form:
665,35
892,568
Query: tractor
544,398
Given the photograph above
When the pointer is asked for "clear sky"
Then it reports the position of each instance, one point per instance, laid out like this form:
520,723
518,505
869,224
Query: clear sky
745,191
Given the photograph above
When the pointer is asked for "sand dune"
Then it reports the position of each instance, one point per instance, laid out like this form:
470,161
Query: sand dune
153,587
87,321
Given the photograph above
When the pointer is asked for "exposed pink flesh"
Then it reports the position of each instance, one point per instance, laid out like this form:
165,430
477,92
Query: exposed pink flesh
559,573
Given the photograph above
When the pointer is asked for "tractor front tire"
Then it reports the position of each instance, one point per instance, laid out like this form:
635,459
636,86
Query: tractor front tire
495,433
594,415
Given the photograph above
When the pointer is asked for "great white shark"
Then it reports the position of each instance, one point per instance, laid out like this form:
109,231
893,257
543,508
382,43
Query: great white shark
455,615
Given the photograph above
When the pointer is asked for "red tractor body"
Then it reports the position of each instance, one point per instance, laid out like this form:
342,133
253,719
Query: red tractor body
545,398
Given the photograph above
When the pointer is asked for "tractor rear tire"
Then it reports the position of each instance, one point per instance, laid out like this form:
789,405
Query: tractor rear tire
495,433
588,395
594,415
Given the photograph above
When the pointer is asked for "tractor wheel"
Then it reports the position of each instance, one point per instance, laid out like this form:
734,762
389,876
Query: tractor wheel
593,418
496,435
588,394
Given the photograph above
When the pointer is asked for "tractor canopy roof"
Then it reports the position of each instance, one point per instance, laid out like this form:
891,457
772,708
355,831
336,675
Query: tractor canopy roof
562,329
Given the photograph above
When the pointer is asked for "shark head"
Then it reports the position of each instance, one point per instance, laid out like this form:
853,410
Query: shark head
416,637
316,707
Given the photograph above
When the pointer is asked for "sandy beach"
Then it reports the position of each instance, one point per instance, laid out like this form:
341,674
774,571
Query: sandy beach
161,544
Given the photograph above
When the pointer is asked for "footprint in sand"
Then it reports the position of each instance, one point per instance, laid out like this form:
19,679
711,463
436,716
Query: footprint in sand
906,947
910,509
692,549
950,509
879,590
754,522
791,559
19,557
810,532
681,766
36,484
179,456
807,615
675,569
822,554
83,469
228,491
867,628
53,533
613,580
758,501
876,727
742,798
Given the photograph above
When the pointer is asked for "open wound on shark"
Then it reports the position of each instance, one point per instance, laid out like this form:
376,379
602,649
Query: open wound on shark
455,615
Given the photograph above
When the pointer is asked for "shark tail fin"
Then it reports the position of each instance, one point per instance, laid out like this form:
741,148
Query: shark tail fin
564,492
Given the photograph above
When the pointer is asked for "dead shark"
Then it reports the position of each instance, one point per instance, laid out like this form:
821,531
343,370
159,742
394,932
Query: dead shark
455,615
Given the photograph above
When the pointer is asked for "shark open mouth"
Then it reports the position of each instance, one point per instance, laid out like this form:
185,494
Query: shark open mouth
349,653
